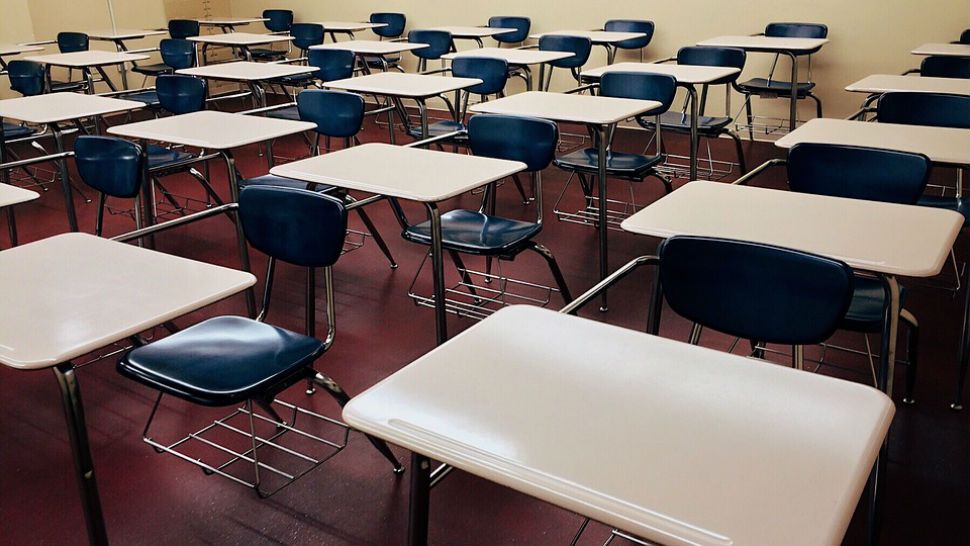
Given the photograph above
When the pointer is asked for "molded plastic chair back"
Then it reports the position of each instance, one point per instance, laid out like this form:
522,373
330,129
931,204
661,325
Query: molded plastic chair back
494,73
532,141
579,46
178,54
945,67
439,43
638,85
336,113
522,25
26,77
332,64
279,20
797,30
631,25
180,94
858,173
301,227
395,24
113,166
70,42
180,29
713,56
754,291
306,35
965,37
936,109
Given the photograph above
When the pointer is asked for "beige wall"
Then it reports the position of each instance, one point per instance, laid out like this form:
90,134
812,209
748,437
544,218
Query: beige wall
867,36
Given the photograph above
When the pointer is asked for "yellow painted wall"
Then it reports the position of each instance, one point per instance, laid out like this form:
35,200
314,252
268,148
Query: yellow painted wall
867,36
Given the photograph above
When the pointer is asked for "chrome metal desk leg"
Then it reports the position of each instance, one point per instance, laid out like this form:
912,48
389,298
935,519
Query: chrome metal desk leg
692,93
65,177
420,499
602,145
793,106
438,271
240,237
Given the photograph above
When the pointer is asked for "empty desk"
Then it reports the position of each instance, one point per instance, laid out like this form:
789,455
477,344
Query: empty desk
229,24
242,41
350,28
9,50
521,59
372,48
943,50
249,73
606,38
85,61
10,196
474,33
118,37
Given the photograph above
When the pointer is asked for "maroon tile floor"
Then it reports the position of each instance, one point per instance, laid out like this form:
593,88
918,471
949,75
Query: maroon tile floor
354,499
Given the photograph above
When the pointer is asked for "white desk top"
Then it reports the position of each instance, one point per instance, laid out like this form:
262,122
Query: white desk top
888,83
586,109
81,59
348,26
11,195
55,107
232,21
211,129
372,47
678,444
396,84
596,36
511,55
940,144
409,173
688,74
240,39
73,293
16,49
947,50
246,71
868,235
766,43
123,34
474,32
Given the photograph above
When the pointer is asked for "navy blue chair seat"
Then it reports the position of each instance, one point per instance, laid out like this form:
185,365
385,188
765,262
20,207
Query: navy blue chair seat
263,54
12,130
147,97
281,182
296,79
620,164
763,85
949,203
160,157
473,232
866,308
153,69
223,361
439,128
292,113
679,122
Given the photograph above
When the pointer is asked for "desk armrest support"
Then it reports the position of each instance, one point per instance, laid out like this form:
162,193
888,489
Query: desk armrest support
743,181
181,220
609,281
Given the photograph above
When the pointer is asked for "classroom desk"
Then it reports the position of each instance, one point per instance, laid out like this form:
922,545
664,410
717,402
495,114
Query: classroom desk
53,109
943,145
220,132
599,113
347,27
249,73
518,59
474,33
118,37
687,77
674,443
371,48
887,239
9,50
944,50
791,47
606,38
99,292
10,196
85,61
229,24
397,86
891,83
415,174
237,40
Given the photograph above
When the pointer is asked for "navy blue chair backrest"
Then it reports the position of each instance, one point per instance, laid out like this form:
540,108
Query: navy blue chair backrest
755,291
522,25
631,25
640,85
395,24
332,64
713,56
797,30
180,29
296,226
439,43
965,36
70,42
178,54
306,35
494,73
113,166
579,46
858,173
336,113
532,141
278,20
936,109
945,67
180,94
26,77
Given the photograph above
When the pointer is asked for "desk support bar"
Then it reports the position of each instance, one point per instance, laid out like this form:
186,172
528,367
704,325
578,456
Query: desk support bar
615,277
181,220
743,181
